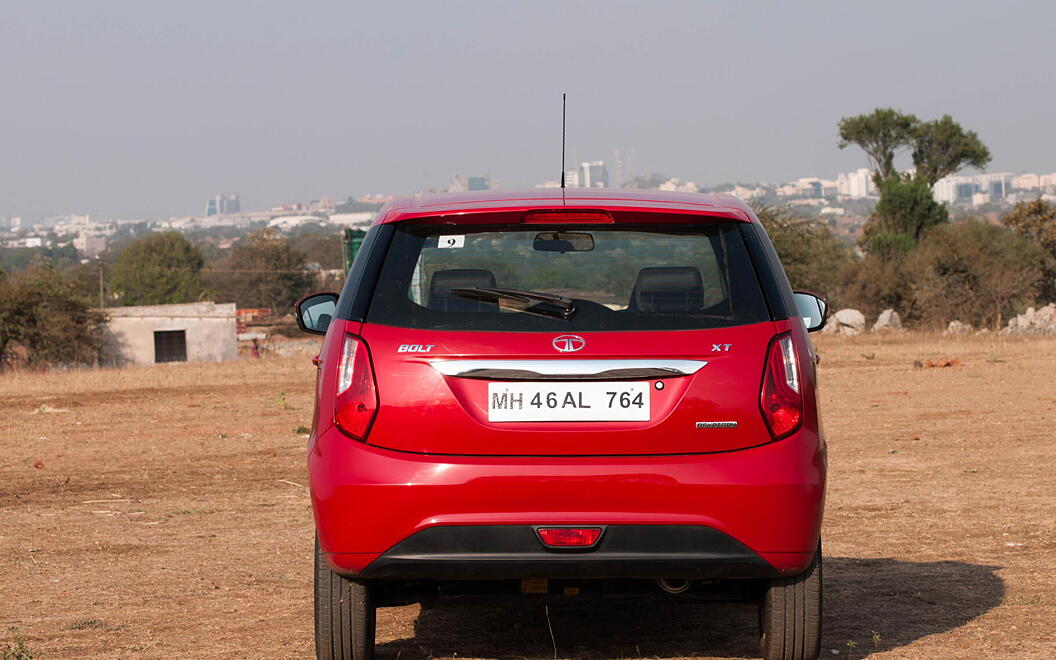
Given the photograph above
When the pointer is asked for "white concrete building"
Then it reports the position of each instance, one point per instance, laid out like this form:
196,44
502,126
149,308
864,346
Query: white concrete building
1027,181
856,184
191,332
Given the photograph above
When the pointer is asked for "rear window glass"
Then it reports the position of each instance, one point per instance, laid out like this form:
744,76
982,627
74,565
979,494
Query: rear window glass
615,277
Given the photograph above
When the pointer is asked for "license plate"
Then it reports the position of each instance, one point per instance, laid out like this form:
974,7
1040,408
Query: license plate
568,402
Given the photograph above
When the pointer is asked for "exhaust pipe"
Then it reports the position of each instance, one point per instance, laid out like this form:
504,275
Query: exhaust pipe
674,585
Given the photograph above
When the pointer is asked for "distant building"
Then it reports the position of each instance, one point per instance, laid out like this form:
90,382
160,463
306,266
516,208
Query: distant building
152,334
89,246
571,178
1026,182
856,184
676,185
222,204
955,189
594,174
460,183
361,219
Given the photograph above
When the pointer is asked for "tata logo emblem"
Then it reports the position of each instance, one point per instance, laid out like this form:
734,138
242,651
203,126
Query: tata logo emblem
569,343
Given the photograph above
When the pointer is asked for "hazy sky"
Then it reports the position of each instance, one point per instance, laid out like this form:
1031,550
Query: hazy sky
144,109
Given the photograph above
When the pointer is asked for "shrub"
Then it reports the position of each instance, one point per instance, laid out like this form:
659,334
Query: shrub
974,272
41,311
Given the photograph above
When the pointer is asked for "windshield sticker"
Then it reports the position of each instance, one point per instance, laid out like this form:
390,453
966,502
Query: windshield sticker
451,241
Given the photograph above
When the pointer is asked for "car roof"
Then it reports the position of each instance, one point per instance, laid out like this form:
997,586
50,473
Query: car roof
611,199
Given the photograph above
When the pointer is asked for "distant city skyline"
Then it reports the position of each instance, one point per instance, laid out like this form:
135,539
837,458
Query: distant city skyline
131,109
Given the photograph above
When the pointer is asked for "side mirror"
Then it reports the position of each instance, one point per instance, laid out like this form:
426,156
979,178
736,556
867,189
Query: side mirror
315,311
813,308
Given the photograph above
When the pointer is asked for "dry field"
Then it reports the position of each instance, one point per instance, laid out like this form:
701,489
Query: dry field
162,515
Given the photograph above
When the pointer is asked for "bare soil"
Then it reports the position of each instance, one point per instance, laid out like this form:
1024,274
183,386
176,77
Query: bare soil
161,512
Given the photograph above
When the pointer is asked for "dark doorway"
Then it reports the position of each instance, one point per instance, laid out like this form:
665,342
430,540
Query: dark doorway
170,346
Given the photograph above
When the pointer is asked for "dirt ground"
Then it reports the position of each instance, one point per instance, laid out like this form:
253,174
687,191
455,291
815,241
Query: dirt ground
160,512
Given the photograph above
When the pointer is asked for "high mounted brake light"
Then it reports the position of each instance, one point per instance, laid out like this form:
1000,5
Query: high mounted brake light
568,217
781,400
357,399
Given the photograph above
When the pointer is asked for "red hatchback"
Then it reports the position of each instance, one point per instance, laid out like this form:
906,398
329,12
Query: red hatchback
591,393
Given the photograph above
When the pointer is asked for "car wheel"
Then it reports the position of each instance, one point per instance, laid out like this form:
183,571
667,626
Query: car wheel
344,615
790,615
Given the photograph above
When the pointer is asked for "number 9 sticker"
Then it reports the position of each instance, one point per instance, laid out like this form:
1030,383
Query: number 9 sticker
450,241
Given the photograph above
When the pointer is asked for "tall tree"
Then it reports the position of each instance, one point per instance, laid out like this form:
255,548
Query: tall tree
880,134
263,271
159,269
942,147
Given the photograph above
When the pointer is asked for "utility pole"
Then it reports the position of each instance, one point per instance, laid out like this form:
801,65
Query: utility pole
102,300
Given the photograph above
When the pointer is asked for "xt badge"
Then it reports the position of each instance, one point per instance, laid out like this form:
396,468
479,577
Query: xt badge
721,348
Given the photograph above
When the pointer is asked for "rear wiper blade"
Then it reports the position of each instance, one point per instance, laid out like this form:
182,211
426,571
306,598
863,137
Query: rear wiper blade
565,305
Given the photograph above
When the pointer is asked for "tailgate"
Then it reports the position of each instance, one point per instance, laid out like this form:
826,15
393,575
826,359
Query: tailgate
550,394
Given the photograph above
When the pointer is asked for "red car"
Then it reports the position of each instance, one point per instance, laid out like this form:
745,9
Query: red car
546,394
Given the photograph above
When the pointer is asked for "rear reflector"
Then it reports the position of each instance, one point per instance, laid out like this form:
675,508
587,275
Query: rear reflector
568,217
569,537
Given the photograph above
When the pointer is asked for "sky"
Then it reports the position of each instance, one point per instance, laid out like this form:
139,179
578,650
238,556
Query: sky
124,108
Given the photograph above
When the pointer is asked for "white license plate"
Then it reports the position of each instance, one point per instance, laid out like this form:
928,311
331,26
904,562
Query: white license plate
568,402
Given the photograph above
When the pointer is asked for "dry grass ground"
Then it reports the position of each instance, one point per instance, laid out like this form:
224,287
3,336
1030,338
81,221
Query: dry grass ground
163,516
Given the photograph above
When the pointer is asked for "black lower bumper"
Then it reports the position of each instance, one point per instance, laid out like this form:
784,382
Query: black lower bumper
487,552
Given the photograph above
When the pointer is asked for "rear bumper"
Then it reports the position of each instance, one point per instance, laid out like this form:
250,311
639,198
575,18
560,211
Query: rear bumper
382,514
468,552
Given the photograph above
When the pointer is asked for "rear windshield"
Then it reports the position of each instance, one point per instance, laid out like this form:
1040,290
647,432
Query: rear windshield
615,277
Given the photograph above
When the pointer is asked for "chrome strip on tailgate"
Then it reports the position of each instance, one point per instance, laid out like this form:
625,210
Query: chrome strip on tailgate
566,369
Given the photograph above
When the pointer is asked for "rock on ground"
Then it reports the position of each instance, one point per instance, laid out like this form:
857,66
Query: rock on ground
1032,321
888,320
958,328
847,322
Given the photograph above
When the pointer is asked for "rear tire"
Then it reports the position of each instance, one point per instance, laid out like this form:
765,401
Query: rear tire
345,615
790,615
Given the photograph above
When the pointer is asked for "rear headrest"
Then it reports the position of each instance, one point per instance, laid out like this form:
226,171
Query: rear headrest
668,290
440,285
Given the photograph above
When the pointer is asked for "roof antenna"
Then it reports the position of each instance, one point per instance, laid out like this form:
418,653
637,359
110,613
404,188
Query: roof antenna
563,95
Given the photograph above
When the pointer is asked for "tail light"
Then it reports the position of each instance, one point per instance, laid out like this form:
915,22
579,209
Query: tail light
357,399
781,399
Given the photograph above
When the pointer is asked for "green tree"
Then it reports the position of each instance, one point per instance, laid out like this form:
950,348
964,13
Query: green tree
880,134
942,147
263,271
974,272
41,312
905,211
812,256
159,269
323,249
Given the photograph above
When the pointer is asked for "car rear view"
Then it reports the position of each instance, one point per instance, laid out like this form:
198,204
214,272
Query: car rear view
549,396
